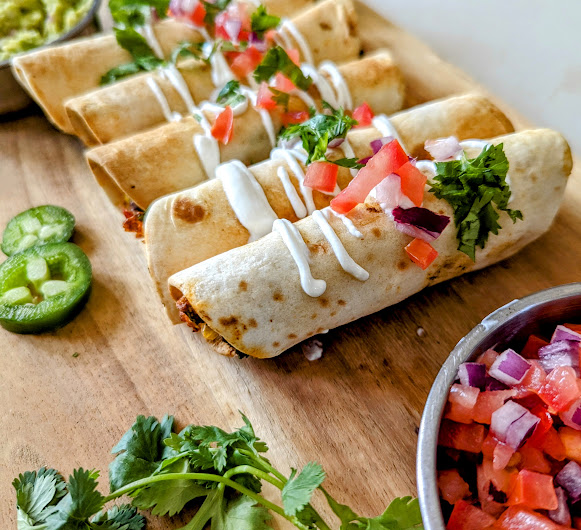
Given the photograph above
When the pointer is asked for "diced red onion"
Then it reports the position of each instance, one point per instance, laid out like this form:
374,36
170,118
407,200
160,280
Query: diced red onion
388,191
420,222
260,44
472,374
494,384
443,149
561,515
312,349
560,353
572,416
336,142
570,479
233,27
563,333
376,145
513,424
509,367
364,160
182,7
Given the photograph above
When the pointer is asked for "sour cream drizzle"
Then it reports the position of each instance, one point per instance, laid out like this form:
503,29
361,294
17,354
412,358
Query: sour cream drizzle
349,153
300,253
286,29
146,31
346,221
292,157
298,206
343,94
247,199
382,123
160,96
345,260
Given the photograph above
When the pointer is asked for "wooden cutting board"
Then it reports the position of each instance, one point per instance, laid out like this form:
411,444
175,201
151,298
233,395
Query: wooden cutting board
356,411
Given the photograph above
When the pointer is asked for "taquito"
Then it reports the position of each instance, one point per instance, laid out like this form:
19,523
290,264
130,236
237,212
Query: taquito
146,166
130,106
250,298
191,226
54,74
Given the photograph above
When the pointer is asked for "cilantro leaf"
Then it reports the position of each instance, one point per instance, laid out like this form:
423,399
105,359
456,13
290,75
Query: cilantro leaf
280,98
37,492
351,163
317,132
119,72
243,512
402,514
211,509
188,49
169,497
277,60
261,21
122,517
213,9
476,189
141,450
230,94
136,12
297,492
81,502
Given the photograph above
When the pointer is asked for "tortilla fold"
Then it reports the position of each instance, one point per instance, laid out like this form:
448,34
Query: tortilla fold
252,297
146,166
54,74
191,226
130,106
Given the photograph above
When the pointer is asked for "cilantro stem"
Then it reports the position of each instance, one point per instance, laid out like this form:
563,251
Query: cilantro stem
206,476
256,472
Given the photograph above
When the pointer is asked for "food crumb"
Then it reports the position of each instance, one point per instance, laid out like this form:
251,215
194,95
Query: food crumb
312,350
76,354
421,332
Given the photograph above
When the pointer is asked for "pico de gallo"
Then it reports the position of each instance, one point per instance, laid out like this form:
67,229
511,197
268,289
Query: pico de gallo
509,446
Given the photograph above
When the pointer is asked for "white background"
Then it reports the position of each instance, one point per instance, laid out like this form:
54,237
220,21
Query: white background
527,52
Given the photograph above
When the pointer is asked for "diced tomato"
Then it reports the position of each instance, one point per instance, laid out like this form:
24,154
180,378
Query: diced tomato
452,486
531,349
571,439
265,98
270,35
552,445
534,490
488,446
458,413
283,83
294,55
465,516
198,14
537,438
220,26
560,388
421,253
461,403
462,437
574,327
488,402
413,182
299,116
494,486
521,518
363,114
389,158
236,11
533,459
246,62
502,456
224,126
321,176
488,358
533,380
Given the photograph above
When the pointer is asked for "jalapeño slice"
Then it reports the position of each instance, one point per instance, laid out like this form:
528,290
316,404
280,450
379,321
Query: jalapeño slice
43,287
37,226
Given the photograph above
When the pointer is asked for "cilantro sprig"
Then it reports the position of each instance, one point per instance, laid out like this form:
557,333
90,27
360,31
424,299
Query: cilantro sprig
261,21
318,131
277,60
477,190
230,94
163,471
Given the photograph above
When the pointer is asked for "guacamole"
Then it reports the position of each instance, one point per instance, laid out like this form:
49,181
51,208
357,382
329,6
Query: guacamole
27,24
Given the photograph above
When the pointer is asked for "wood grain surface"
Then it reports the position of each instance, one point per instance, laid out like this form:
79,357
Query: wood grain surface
356,410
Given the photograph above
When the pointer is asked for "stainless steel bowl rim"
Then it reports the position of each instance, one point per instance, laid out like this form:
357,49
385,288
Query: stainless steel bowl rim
430,422
73,32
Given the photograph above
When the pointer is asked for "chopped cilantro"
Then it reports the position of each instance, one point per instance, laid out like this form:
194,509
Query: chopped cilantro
277,60
188,49
317,132
163,471
213,9
230,94
280,98
261,21
474,187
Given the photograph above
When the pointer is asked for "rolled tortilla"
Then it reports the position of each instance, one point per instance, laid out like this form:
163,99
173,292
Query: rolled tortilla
251,296
191,226
56,73
130,106
146,166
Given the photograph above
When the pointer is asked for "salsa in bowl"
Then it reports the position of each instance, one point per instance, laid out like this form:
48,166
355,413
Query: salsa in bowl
499,434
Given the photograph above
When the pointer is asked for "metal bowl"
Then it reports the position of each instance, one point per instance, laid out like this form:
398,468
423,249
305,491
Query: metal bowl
12,96
510,325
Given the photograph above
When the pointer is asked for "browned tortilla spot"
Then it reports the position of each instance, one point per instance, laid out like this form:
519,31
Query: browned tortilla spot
376,232
243,286
276,344
324,26
317,248
323,301
342,302
278,296
187,211
252,323
403,265
313,316
333,313
292,336
228,321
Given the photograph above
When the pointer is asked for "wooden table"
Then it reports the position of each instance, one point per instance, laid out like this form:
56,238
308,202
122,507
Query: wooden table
356,411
